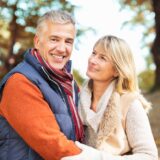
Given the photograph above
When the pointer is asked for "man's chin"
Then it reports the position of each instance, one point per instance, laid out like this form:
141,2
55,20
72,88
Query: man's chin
58,66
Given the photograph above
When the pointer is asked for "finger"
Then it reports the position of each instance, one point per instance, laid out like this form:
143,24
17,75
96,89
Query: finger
80,145
69,158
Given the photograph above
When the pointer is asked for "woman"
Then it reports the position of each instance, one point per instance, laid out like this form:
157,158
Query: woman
112,109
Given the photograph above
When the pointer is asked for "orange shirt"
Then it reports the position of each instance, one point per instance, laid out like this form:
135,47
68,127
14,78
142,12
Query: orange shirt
25,109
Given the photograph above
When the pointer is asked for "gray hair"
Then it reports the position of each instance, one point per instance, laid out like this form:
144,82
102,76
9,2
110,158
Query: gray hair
55,16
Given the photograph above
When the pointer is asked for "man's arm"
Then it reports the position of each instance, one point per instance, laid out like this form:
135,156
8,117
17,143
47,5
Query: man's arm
28,113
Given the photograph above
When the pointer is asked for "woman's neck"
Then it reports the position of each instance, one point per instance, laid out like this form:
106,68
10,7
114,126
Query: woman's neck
98,90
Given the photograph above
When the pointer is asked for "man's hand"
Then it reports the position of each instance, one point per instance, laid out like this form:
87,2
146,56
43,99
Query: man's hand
88,153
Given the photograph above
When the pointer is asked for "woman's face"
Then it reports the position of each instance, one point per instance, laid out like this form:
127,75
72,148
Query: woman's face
100,68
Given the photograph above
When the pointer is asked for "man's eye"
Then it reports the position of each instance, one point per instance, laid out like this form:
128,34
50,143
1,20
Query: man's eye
69,42
53,39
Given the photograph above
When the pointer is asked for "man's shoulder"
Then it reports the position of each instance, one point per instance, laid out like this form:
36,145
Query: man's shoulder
17,77
18,80
18,83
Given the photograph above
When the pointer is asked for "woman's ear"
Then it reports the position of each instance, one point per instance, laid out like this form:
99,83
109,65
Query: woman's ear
116,74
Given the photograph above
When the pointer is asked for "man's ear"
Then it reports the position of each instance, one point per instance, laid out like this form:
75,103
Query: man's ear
36,41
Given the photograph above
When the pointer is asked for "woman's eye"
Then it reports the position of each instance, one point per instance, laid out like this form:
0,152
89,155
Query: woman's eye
102,58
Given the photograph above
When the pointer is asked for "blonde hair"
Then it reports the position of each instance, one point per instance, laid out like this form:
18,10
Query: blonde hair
55,16
118,52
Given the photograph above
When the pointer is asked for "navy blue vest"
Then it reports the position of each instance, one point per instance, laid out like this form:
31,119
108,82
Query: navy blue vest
12,146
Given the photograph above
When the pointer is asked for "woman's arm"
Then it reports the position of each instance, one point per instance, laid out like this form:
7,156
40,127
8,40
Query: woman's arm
139,136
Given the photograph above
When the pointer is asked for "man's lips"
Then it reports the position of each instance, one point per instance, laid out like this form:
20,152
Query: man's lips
58,58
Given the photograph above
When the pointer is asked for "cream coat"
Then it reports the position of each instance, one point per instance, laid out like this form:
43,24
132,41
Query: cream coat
110,135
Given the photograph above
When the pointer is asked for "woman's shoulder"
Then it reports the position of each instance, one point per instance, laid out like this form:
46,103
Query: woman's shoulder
135,99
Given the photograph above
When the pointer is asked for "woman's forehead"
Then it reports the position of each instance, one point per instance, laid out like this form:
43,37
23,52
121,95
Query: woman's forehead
100,49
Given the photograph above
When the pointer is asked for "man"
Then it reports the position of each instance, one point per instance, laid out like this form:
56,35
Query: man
38,116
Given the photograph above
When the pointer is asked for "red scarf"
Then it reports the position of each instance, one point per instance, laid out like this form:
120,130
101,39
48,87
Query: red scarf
64,79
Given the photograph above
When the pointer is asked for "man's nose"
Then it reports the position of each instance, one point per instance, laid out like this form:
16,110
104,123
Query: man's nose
61,47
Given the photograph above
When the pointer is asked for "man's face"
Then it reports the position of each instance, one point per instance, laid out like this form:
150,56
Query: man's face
55,43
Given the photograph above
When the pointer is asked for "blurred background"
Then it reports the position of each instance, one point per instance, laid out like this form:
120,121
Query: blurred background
136,21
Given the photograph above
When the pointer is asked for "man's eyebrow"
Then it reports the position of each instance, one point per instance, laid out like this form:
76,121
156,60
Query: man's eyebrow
54,36
70,39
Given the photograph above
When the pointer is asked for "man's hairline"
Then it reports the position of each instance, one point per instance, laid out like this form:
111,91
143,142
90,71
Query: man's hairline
39,27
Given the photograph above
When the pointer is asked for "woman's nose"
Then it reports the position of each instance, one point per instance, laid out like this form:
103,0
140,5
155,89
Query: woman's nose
93,60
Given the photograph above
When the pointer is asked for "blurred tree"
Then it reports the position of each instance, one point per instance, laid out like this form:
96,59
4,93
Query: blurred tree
146,80
17,24
78,77
143,12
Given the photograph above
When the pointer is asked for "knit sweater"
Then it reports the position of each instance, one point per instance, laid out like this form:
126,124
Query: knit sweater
29,121
123,131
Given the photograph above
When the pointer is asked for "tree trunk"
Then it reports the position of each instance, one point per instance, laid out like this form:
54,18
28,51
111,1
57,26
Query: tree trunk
156,44
13,37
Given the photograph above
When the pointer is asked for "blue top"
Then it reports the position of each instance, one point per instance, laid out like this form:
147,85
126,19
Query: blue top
12,146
